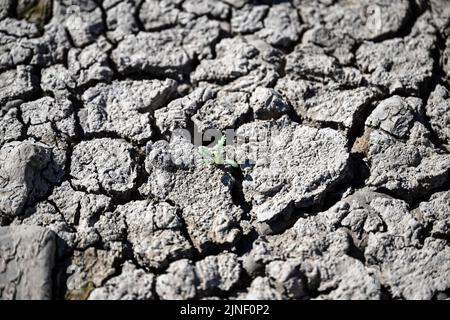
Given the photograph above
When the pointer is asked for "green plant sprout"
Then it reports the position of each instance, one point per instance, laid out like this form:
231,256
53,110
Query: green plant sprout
214,155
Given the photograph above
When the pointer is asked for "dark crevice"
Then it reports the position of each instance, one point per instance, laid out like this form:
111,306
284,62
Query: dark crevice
385,293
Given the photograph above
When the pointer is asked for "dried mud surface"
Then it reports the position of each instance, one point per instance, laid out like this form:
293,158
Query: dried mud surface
100,200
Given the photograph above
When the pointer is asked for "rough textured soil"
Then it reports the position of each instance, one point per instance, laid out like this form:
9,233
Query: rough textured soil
99,199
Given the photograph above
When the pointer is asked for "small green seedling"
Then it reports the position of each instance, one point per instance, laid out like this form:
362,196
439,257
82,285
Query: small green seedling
214,155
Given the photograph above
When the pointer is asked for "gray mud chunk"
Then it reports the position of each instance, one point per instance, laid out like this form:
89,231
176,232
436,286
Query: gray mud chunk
203,193
23,175
348,279
268,103
340,46
120,20
321,245
88,270
434,214
410,166
177,114
5,8
316,102
438,111
84,24
156,14
407,67
51,47
410,269
248,19
333,277
215,9
361,20
242,63
84,66
227,110
50,120
13,51
395,115
16,84
124,107
218,273
291,164
80,211
26,260
185,280
261,289
282,26
57,80
311,62
18,28
154,230
412,273
287,278
91,63
30,48
111,228
445,59
130,284
45,214
441,16
103,166
178,283
167,52
10,127
328,231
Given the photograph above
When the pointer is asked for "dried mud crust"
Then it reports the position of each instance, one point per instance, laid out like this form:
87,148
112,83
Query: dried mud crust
100,200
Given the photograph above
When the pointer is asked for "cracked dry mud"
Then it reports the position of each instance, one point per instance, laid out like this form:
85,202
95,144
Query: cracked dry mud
100,199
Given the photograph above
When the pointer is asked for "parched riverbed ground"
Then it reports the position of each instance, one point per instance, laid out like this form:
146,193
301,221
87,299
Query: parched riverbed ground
340,189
